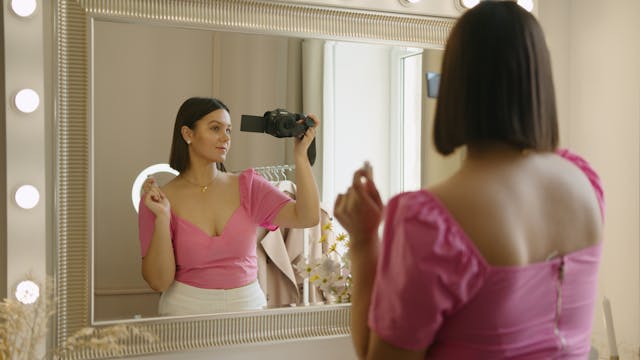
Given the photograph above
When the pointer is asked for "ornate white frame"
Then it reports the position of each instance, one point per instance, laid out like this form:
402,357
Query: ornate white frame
73,169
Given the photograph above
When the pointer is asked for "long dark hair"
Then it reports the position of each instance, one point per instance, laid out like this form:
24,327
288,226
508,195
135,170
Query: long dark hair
192,110
496,82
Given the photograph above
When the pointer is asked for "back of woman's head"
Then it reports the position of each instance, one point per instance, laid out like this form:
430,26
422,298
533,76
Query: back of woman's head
496,83
192,110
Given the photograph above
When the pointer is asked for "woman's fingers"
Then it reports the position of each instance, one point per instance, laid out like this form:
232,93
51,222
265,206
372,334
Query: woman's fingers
363,182
315,119
148,184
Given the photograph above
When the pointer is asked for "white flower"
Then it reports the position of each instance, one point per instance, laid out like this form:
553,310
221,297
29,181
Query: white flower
305,268
331,273
328,267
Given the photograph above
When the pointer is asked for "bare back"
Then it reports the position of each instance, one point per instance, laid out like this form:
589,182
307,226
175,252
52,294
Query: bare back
210,210
523,209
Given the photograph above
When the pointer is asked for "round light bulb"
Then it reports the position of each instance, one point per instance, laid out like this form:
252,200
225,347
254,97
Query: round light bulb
27,292
526,4
409,2
470,3
24,8
27,196
137,183
27,100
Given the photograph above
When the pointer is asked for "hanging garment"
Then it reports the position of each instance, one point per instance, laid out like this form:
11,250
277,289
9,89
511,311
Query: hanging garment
278,251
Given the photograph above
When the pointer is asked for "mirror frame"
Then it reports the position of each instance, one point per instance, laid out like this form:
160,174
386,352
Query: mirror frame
73,213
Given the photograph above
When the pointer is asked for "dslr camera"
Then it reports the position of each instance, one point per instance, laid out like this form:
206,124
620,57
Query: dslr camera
281,124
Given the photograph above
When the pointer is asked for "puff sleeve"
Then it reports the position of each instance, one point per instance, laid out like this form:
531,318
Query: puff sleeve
426,271
590,173
260,199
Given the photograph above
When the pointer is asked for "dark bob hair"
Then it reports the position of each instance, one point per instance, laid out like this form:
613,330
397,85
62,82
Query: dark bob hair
192,110
496,83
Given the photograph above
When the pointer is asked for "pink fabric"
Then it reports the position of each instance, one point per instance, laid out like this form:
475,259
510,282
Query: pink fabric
229,260
434,290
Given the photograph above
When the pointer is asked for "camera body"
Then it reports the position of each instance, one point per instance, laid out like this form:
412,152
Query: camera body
279,123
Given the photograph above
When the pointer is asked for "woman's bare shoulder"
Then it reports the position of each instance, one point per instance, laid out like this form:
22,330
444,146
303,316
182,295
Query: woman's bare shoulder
171,187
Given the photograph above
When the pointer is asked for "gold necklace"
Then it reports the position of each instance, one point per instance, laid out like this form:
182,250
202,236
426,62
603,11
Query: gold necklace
203,188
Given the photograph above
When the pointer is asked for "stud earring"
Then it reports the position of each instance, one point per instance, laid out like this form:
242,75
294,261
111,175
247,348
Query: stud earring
188,142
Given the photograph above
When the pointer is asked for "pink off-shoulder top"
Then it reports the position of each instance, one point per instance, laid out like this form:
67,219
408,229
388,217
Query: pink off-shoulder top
433,289
229,260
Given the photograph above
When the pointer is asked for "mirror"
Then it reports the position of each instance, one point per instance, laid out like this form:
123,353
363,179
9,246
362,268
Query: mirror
103,93
134,104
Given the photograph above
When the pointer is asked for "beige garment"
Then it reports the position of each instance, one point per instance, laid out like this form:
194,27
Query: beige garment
278,251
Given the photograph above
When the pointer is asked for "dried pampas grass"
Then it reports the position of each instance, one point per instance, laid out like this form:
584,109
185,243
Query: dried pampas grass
23,327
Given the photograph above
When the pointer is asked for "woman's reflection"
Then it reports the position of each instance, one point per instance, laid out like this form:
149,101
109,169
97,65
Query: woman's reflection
198,232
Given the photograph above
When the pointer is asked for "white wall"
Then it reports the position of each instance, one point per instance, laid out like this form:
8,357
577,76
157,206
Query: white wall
595,49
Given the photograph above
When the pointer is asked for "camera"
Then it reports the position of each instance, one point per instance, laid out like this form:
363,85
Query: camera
281,124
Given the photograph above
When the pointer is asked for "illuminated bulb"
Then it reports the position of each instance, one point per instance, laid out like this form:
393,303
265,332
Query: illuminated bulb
27,196
470,3
137,184
27,292
526,4
27,100
24,8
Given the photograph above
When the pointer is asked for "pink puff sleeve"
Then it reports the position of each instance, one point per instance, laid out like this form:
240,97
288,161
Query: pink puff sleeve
146,224
262,200
426,271
591,174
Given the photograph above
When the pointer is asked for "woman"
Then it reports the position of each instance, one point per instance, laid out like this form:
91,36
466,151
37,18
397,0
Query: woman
198,232
500,260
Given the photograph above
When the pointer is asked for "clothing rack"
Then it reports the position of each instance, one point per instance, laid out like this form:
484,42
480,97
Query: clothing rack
277,173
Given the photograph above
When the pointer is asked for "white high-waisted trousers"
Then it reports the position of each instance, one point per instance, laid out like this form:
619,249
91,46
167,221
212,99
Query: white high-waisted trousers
183,299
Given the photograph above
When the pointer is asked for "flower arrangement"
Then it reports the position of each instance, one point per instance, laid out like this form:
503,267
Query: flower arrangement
331,272
24,325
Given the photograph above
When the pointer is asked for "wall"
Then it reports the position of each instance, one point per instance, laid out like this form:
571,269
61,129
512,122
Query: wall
435,167
136,98
595,48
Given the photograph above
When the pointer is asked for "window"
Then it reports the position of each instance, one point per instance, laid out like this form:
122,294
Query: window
372,112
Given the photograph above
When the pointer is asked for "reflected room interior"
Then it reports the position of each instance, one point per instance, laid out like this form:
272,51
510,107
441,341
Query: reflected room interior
371,97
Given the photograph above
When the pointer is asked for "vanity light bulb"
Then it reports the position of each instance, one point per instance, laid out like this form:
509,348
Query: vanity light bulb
27,196
27,100
24,8
470,3
526,4
409,2
27,292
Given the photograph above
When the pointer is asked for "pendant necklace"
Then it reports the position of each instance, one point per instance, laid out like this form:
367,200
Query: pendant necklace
203,188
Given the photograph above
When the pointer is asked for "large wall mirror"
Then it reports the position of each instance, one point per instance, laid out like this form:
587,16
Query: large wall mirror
124,68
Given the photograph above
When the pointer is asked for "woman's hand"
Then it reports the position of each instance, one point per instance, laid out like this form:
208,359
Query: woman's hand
360,210
155,199
302,144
